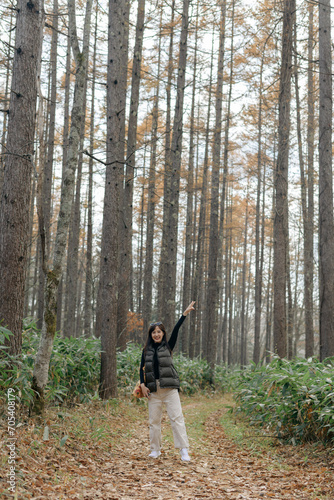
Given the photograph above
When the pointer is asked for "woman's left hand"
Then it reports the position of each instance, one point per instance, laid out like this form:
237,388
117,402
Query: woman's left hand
189,308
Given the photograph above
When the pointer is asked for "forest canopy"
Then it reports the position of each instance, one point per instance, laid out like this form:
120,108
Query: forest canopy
154,153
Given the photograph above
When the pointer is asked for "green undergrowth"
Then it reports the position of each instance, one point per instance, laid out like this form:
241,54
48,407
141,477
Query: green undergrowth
290,400
75,370
238,428
294,400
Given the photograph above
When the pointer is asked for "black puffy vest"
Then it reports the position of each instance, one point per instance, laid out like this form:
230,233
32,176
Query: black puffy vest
168,376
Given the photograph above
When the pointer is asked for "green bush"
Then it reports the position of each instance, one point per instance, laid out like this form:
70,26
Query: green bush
16,372
295,398
75,369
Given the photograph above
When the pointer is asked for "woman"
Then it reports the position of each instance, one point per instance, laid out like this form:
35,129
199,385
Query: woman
160,384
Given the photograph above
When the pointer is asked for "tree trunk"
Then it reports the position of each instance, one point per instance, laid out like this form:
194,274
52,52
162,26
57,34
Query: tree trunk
196,318
268,310
46,152
230,291
187,289
243,293
258,274
125,224
51,135
148,269
73,240
64,162
6,100
29,284
167,175
307,227
211,319
176,153
326,225
126,274
16,190
225,173
106,320
53,276
281,185
141,241
309,236
89,244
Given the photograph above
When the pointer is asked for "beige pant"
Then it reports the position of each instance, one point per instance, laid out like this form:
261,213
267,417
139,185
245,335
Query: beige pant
173,405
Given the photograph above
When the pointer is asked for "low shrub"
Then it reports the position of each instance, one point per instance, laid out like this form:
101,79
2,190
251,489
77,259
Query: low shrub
75,369
295,398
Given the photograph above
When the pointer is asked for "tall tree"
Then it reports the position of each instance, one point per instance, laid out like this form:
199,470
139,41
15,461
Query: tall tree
52,125
187,285
42,362
6,99
106,321
16,189
46,158
199,266
73,239
306,195
281,184
326,225
125,300
89,243
211,319
167,174
64,158
243,336
258,264
170,239
151,201
309,232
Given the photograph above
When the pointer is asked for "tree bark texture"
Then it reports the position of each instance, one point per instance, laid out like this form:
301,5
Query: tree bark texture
7,100
243,346
125,231
307,224
53,276
16,190
70,311
187,285
211,320
258,273
126,268
197,344
151,201
64,162
176,152
281,185
309,236
108,289
88,314
167,176
326,226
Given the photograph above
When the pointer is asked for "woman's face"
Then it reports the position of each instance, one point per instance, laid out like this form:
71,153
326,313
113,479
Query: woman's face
157,335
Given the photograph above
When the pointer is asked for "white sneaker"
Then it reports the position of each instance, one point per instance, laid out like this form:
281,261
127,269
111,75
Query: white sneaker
154,454
184,455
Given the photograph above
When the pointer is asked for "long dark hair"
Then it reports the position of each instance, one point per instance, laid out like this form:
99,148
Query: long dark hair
150,341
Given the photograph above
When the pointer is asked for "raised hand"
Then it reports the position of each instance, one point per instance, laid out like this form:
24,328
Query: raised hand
189,308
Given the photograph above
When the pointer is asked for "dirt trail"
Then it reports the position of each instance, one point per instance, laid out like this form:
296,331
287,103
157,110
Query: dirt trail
223,471
219,469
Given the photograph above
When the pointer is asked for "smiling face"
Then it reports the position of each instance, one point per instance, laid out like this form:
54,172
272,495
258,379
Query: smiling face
157,335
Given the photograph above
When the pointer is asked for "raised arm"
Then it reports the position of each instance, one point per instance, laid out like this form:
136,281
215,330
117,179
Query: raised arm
173,337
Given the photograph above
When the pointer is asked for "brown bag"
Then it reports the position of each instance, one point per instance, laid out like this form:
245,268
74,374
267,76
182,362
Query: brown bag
137,392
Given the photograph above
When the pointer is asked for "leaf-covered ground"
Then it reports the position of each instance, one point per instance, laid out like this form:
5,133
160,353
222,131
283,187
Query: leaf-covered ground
100,451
